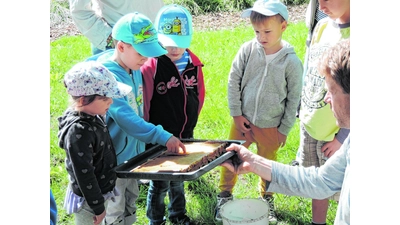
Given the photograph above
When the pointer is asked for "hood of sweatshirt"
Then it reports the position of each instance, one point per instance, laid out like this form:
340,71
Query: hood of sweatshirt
67,119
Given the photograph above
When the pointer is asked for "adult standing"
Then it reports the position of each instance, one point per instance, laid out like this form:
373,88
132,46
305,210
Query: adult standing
95,18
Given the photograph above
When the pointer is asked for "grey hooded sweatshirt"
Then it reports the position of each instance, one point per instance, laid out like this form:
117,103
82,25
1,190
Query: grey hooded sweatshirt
265,94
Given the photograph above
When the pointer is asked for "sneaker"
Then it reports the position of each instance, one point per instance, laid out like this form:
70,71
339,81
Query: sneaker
220,202
271,217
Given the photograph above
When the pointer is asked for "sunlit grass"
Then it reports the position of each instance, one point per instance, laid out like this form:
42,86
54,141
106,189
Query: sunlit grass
216,49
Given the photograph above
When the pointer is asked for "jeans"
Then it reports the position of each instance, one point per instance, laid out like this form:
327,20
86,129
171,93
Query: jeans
155,201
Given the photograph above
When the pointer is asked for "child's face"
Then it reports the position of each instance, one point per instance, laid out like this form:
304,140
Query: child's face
269,34
336,9
99,106
175,53
130,58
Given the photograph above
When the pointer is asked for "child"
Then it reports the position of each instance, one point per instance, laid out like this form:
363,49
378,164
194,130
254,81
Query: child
85,138
320,136
136,40
313,15
174,95
264,90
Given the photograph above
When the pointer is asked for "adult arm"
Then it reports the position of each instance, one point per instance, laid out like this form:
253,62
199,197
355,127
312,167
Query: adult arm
90,24
310,182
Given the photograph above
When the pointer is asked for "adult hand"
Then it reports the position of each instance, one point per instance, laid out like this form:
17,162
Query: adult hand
281,139
329,148
175,146
241,162
98,218
242,124
248,162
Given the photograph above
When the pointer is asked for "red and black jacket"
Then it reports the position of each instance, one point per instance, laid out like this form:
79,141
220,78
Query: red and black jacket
171,99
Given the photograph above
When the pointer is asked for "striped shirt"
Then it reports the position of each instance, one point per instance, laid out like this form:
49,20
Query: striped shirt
182,62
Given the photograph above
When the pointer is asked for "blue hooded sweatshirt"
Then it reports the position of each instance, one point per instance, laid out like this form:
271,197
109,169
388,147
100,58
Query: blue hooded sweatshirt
129,131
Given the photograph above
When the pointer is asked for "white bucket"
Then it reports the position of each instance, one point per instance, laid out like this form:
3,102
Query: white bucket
245,211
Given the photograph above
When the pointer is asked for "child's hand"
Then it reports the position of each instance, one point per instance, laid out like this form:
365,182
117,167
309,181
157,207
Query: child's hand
331,147
98,218
281,139
242,124
174,145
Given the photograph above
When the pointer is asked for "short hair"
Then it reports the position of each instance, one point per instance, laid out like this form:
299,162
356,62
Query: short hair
336,63
256,18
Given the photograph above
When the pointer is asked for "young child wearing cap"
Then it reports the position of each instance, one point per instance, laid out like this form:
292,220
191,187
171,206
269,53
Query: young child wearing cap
174,94
83,134
135,40
264,90
320,136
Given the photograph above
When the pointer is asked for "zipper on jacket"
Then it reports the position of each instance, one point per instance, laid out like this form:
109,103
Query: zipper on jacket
258,94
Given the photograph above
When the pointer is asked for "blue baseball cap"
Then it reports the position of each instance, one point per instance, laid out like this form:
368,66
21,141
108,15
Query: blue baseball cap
174,26
137,30
268,8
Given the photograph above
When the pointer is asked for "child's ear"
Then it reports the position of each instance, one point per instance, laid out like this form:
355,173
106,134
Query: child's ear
284,25
120,46
80,102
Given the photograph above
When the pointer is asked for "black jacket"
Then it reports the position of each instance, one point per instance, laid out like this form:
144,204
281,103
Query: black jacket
90,156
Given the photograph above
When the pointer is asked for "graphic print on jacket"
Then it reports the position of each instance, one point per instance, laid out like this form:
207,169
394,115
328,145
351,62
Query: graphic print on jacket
175,101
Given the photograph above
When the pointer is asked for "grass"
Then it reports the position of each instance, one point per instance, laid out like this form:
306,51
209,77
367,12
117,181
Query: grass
216,49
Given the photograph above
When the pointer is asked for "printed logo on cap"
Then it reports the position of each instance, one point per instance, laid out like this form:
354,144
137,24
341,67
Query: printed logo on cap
145,35
174,26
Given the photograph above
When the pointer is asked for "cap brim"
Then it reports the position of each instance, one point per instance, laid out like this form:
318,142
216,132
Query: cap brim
246,13
153,49
121,90
175,40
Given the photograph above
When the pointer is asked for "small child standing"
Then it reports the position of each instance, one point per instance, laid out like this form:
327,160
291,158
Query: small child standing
135,40
85,138
174,94
320,136
264,90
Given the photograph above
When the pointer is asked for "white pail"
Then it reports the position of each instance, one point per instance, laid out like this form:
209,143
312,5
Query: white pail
245,211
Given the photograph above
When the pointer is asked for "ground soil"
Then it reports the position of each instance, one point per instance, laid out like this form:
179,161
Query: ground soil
210,21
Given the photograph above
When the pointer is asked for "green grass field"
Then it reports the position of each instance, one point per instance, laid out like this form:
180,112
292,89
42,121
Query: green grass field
216,49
